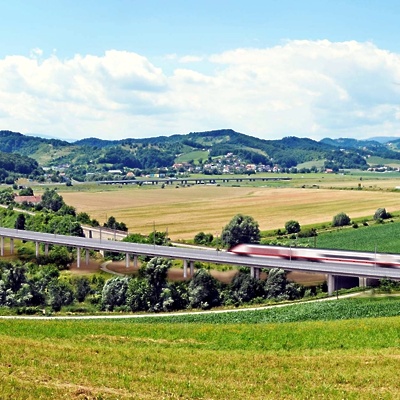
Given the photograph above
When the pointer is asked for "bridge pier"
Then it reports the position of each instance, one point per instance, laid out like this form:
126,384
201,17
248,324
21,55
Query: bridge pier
87,254
336,282
37,249
11,246
2,246
46,249
185,267
331,284
78,257
191,268
255,272
135,261
362,282
127,260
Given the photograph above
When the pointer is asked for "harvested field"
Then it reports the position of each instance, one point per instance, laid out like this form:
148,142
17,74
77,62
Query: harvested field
188,210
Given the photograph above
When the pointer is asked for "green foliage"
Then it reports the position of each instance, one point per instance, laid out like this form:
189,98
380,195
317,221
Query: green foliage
81,285
203,291
7,196
114,293
52,200
244,288
26,192
382,237
204,239
155,274
112,223
136,238
278,287
241,229
20,222
60,294
341,219
381,213
292,227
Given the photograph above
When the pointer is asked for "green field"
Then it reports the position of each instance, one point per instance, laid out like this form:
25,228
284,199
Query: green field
383,238
236,356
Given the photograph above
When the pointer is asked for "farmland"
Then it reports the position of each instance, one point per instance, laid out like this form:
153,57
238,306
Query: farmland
383,238
185,211
237,355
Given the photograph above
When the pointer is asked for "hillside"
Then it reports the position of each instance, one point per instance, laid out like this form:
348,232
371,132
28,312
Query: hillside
96,157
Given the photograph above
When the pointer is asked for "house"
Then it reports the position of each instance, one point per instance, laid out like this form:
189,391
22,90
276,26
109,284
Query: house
28,199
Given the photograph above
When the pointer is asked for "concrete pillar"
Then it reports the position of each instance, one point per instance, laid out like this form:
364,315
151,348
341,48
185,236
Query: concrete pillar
185,267
87,255
362,282
331,284
78,257
252,272
11,246
46,249
135,261
257,273
127,260
2,246
191,268
37,249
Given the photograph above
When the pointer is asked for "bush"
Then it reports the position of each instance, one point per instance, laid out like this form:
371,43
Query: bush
381,213
292,227
341,219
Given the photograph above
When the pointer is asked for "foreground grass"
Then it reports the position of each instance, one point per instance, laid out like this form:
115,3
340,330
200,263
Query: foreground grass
162,359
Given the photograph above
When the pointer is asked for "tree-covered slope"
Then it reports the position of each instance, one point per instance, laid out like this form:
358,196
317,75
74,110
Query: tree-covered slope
160,152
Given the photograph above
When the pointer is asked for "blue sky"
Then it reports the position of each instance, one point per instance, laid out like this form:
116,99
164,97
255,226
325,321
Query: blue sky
115,69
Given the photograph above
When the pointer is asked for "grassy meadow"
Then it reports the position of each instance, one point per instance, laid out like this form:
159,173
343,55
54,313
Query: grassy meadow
185,211
236,355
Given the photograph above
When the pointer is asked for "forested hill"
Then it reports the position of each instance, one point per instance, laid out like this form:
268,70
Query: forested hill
163,151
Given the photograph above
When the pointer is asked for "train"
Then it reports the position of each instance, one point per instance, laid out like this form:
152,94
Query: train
318,255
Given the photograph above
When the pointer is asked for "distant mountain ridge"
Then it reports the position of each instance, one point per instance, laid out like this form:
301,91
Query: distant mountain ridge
160,152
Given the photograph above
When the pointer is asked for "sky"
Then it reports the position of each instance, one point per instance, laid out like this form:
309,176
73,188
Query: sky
115,69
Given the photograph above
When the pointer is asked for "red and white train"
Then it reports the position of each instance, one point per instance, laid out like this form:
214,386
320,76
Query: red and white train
318,255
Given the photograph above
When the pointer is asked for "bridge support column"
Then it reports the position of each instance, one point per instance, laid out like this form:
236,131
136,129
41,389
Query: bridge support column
331,284
362,282
46,249
127,260
37,249
135,261
11,246
87,254
78,257
185,267
191,268
255,272
2,246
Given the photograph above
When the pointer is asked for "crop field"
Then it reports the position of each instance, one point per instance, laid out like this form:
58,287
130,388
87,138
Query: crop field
383,238
215,356
185,211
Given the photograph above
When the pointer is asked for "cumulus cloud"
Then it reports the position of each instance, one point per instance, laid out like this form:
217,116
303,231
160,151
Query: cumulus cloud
301,88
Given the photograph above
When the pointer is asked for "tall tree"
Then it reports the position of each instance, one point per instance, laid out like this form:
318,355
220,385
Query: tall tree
241,229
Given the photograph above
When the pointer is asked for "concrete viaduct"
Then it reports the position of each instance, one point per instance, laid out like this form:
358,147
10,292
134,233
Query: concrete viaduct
190,255
186,181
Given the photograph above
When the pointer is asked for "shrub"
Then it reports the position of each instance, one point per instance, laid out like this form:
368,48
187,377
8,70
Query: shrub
381,213
341,219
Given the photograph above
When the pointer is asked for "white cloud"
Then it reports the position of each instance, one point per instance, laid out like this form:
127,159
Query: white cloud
300,88
190,59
